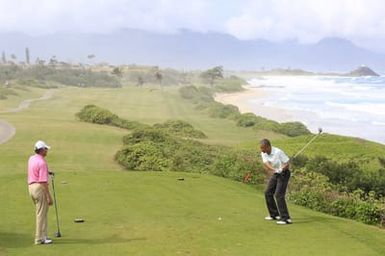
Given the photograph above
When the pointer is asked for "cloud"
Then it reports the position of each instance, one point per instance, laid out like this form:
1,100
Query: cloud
304,20
309,20
42,16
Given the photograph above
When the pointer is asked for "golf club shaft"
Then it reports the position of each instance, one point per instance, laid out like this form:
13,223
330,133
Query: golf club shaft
307,144
54,198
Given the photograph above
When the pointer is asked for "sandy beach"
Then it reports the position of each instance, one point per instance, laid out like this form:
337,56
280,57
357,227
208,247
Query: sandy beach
245,101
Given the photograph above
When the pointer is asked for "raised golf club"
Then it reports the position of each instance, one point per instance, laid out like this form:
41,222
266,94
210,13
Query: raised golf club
307,144
52,174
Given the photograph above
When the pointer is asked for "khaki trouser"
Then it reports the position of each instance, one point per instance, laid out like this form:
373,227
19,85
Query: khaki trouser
39,198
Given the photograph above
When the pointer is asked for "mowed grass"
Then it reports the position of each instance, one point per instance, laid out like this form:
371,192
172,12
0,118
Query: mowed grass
147,213
133,213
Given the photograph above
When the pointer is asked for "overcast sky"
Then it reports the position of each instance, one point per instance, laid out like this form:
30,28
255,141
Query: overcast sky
308,21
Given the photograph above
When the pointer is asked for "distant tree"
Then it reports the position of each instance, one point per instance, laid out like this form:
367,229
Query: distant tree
90,57
38,61
117,72
3,58
140,81
212,74
53,61
13,57
158,77
27,56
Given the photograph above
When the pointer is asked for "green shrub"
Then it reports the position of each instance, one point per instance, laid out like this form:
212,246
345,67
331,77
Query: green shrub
314,191
231,84
219,110
180,128
35,83
293,129
145,156
98,115
147,134
129,125
95,114
234,164
36,76
267,125
186,155
247,120
189,92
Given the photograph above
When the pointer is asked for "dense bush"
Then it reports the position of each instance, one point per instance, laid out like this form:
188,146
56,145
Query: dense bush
148,134
314,191
64,75
197,95
182,154
145,156
231,84
219,110
247,120
293,129
98,115
35,83
236,163
83,78
347,175
181,128
174,153
189,92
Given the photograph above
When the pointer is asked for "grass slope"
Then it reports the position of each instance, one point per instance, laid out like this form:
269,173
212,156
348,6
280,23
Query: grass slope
133,213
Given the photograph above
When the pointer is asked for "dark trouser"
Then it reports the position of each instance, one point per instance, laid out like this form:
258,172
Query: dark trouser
277,187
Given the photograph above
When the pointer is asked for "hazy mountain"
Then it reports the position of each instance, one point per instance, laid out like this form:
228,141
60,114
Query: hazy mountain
192,50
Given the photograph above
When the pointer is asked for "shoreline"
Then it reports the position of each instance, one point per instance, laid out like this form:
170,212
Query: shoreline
252,100
243,100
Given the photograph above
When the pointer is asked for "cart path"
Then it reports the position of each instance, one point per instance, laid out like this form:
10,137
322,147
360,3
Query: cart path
7,131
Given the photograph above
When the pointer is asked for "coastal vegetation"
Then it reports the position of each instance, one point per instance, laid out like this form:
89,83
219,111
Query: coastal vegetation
40,75
203,98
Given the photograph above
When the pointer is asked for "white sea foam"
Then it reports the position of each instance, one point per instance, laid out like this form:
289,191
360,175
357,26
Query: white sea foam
342,105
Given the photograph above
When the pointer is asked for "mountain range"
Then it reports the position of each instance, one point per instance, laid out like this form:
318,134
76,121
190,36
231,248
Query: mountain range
192,50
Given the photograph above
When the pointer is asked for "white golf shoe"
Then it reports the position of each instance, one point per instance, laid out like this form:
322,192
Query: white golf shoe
284,222
44,241
272,218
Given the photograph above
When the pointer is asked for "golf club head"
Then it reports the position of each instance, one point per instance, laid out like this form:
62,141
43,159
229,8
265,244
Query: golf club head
57,234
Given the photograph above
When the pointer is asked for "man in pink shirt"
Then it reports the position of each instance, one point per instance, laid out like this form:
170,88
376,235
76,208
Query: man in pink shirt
39,191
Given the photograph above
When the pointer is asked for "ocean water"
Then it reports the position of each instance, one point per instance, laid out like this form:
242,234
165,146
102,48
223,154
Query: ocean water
340,105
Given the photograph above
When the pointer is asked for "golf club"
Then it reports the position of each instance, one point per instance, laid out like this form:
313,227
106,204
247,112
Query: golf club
307,144
57,234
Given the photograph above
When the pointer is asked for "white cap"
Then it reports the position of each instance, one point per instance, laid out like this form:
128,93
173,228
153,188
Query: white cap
41,144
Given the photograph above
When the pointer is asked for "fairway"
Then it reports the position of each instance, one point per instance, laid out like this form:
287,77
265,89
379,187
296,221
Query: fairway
149,213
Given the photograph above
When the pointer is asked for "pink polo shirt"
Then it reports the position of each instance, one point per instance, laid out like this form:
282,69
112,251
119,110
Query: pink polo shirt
37,169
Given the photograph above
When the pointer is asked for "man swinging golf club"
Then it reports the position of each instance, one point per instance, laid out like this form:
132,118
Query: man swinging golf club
39,191
276,161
